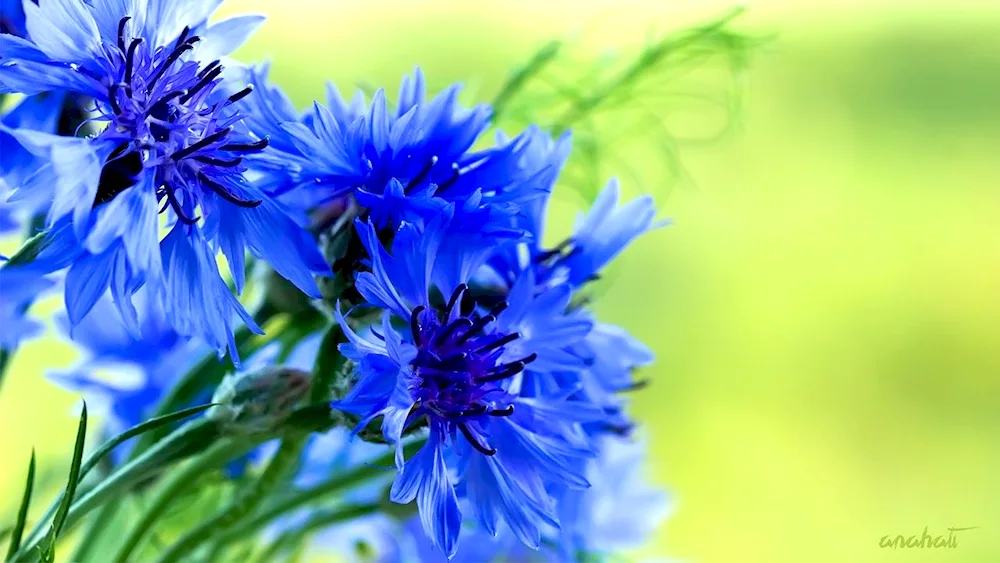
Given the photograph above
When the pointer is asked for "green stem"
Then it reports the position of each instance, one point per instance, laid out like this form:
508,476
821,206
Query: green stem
172,489
515,83
28,251
278,467
89,541
649,57
206,374
154,460
316,522
5,357
304,497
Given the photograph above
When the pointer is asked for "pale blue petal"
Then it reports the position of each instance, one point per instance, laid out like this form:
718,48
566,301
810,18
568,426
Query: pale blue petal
63,29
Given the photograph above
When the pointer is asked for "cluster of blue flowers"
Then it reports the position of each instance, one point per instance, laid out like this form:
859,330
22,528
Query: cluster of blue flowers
482,343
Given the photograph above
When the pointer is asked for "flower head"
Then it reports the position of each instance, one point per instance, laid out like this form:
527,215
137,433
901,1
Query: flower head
402,162
173,143
458,368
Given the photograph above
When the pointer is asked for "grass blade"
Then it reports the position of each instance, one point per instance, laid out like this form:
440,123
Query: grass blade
22,513
107,447
151,424
48,551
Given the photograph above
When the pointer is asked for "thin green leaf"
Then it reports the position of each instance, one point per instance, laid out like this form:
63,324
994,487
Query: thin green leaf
107,447
151,424
206,375
523,74
5,357
22,513
28,251
48,552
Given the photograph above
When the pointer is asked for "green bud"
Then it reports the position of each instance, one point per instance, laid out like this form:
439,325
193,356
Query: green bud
260,400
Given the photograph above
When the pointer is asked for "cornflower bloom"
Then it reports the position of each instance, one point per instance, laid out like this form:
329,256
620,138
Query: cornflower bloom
173,145
457,368
406,162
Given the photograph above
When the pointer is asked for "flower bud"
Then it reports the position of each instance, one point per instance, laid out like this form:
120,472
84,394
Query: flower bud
260,400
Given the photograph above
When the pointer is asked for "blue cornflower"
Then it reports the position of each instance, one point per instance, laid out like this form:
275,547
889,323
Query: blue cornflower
457,367
38,113
174,139
19,287
619,511
406,162
610,354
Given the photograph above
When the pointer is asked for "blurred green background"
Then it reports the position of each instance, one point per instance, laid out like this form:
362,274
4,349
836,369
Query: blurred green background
825,309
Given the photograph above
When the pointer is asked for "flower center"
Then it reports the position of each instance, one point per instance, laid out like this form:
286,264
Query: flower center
168,117
458,364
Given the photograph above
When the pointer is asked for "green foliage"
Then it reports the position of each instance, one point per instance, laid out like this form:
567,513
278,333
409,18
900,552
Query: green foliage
22,512
48,549
615,107
154,505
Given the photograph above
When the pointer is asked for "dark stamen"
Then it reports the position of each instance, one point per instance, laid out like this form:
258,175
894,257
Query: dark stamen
503,412
463,323
176,205
455,173
455,296
222,192
415,324
241,94
121,32
475,328
220,162
498,342
171,59
211,67
472,440
468,304
130,61
162,103
415,181
205,81
200,144
113,98
620,429
182,37
247,147
635,386
554,252
455,362
503,371
476,410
